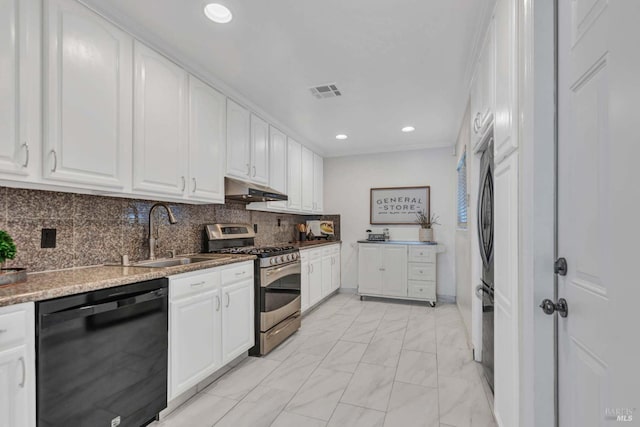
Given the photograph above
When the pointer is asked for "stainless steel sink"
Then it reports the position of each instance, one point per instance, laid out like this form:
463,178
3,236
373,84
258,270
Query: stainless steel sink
171,262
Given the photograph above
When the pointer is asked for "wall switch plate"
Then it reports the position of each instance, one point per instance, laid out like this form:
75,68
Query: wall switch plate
48,239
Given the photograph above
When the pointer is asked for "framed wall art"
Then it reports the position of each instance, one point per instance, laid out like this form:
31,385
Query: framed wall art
399,205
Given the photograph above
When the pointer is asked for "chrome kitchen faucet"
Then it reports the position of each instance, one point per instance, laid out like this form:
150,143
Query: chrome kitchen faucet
152,230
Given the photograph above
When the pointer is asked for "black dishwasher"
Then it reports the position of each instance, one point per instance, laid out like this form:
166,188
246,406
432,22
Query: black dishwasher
102,356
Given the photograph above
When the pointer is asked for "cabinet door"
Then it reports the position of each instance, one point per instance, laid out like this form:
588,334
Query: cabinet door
294,175
14,404
307,179
304,283
238,141
237,319
505,140
369,269
315,281
259,150
87,114
19,77
318,173
327,276
335,272
194,335
278,160
394,273
207,142
160,124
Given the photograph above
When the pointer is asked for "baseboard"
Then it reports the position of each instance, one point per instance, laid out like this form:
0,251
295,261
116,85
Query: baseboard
447,299
348,290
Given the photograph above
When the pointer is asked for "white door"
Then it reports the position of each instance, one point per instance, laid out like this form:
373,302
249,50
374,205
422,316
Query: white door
194,333
19,72
315,280
307,179
259,150
207,142
14,405
335,271
88,93
327,275
159,123
598,202
304,283
278,164
237,319
294,175
394,270
369,269
318,174
238,141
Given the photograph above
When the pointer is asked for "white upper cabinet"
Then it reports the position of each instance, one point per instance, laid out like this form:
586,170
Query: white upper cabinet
307,179
238,141
207,142
87,114
259,150
294,174
318,173
278,160
19,77
483,88
160,124
505,140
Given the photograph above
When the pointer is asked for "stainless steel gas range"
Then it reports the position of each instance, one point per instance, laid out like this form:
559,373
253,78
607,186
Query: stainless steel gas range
277,282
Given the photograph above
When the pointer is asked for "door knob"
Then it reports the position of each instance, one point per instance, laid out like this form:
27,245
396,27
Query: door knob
561,307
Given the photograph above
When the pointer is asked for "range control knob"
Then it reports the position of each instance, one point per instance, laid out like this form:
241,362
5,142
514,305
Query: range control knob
289,257
272,261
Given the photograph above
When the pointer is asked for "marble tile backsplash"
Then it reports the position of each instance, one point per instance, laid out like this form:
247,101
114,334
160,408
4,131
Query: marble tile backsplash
96,229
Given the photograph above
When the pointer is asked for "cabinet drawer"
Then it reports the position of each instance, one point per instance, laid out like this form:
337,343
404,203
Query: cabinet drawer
330,250
422,271
237,273
190,284
311,253
13,328
422,254
422,290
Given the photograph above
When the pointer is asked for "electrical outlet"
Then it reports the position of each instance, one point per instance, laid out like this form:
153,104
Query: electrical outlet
279,224
255,228
48,239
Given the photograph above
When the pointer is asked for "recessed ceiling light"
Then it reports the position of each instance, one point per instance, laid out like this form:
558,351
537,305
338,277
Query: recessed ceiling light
408,129
341,136
218,13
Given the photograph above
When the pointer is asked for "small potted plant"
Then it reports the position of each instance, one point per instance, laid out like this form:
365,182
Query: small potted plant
425,234
8,251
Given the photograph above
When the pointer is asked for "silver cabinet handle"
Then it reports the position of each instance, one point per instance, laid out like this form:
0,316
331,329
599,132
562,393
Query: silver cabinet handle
248,169
228,299
196,285
241,273
26,150
254,171
476,122
420,271
2,331
184,183
55,160
217,303
24,372
195,185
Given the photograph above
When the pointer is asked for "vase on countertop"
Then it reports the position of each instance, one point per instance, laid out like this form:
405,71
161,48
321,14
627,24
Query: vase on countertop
425,234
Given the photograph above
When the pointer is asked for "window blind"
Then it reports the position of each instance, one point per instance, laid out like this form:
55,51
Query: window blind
462,190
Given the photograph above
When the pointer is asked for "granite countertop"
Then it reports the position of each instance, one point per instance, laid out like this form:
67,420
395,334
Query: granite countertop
313,243
399,242
53,284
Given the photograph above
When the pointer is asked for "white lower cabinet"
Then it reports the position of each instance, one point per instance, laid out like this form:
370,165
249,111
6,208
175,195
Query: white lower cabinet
397,271
210,322
320,269
17,366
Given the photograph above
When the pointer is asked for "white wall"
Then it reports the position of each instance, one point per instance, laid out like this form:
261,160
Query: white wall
347,181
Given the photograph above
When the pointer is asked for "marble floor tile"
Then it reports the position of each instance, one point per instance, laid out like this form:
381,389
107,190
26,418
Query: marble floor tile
287,348
287,419
361,331
344,356
383,351
203,410
291,374
243,378
412,405
319,396
420,338
355,416
463,403
318,343
370,387
418,368
258,409
391,329
455,362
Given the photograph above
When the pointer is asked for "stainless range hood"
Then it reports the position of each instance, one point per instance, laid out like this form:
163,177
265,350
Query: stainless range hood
245,192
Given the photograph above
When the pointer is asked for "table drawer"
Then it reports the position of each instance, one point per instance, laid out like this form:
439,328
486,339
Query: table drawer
13,328
237,273
422,254
422,271
190,283
422,290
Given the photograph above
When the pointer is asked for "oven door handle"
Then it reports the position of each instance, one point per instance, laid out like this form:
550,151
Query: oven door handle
270,275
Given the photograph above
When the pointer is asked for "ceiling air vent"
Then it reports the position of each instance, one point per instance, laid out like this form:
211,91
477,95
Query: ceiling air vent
325,91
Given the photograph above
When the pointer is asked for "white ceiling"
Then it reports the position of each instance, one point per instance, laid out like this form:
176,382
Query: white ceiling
397,62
